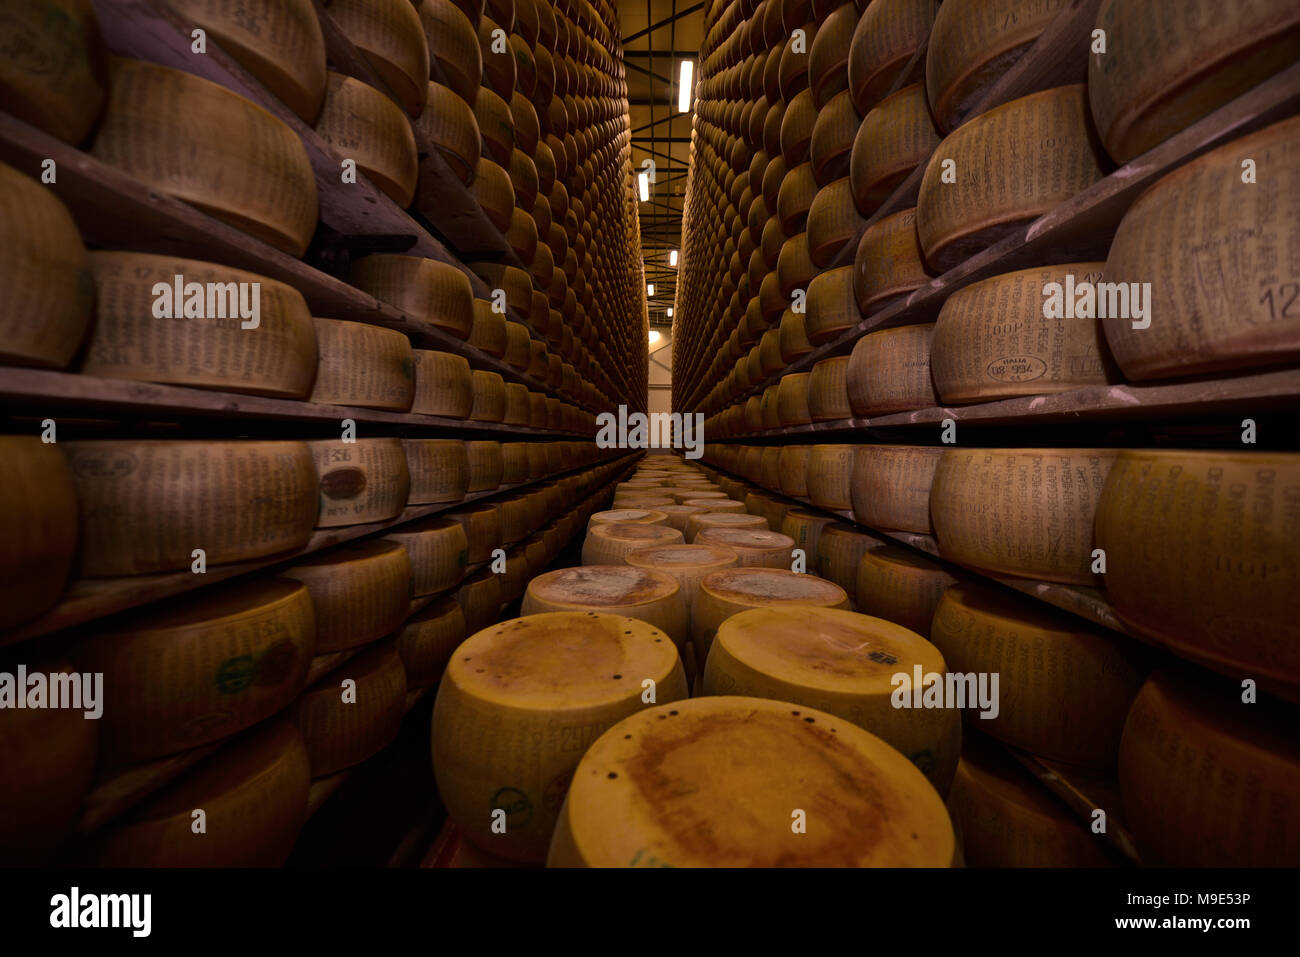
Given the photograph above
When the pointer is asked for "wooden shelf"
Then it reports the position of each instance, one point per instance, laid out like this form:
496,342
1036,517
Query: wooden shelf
52,391
89,599
1258,391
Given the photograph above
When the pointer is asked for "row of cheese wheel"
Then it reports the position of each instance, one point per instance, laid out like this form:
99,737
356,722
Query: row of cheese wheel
1121,520
1071,693
199,671
110,507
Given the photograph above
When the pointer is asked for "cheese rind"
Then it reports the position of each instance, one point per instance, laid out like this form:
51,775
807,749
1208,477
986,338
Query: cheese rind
39,518
363,365
360,482
647,594
354,711
360,592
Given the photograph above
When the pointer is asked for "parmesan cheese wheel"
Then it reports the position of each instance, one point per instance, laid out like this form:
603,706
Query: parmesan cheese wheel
437,550
518,704
891,486
199,142
754,547
676,516
365,126
388,35
896,137
200,341
697,523
804,529
886,36
888,263
683,495
1201,556
488,331
889,371
495,195
480,599
866,804
792,399
353,712
363,365
642,593
486,465
839,553
443,384
771,509
200,667
361,481
489,390
844,664
716,504
482,524
833,223
253,793
828,397
52,74
515,519
688,564
1216,297
496,124
991,200
146,505
1180,63
45,279
609,543
1022,512
1064,686
428,640
516,404
425,289
38,516
1008,819
832,308
46,767
451,126
723,594
439,470
360,592
793,336
975,42
992,340
638,516
514,462
453,46
901,586
794,470
1245,759
830,471
832,138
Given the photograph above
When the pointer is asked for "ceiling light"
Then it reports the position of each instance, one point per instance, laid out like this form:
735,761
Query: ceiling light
684,86
643,184
650,289
670,312
654,336
672,257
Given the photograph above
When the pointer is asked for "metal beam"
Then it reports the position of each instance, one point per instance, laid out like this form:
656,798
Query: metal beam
677,15
641,69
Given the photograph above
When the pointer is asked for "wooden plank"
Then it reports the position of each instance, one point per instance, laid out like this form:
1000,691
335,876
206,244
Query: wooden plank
52,391
114,793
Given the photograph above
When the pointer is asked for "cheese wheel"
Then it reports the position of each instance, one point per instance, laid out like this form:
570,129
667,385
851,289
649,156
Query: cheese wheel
1179,64
894,138
638,516
480,599
482,525
1022,512
794,268
771,509
992,200
1202,554
697,494
723,594
839,553
489,390
365,126
437,550
886,36
354,711
973,44
428,640
832,138
439,470
518,704
804,529
388,34
888,263
712,519
794,469
426,290
1245,758
1216,297
832,308
449,123
833,222
676,516
444,384
516,404
200,339
38,517
754,547
866,805
361,481
360,592
1008,819
494,193
992,340
453,46
363,365
642,593
609,543
830,470
45,769
844,664
901,586
891,486
146,505
516,519
514,463
496,123
486,465
793,336
1064,686
253,793
45,278
889,371
53,73
488,331
715,504
687,564
197,141
828,397
792,399
200,667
